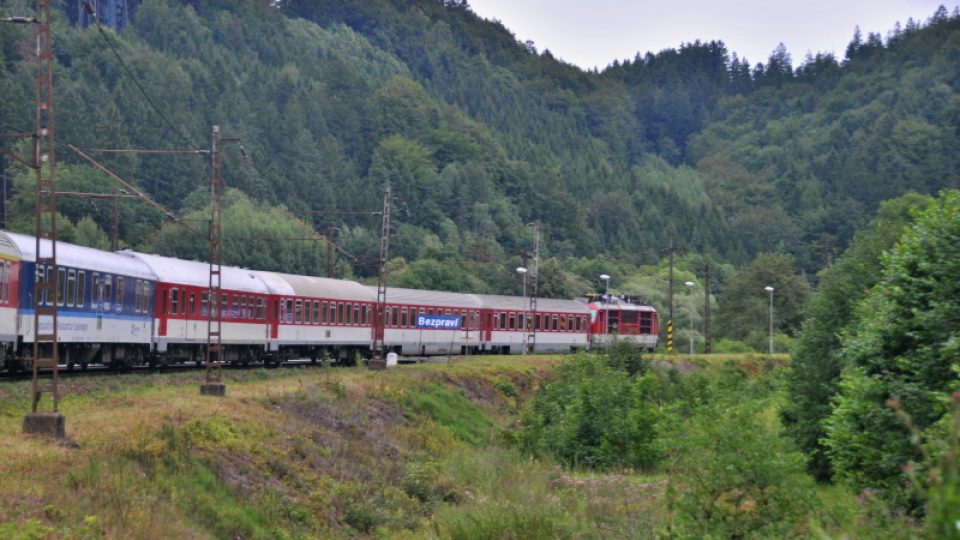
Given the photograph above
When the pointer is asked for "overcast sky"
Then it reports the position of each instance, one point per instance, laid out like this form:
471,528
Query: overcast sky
593,33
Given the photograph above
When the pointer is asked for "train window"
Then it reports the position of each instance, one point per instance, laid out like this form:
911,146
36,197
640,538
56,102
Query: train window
403,317
38,278
5,293
563,322
137,295
192,309
174,301
224,301
260,309
395,316
503,321
323,313
333,313
107,291
289,309
356,314
119,303
316,312
348,316
81,287
204,301
61,285
369,316
339,313
646,323
298,312
71,288
96,295
555,322
513,321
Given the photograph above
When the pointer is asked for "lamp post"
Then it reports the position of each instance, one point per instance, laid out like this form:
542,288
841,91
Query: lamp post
769,289
689,285
606,287
523,273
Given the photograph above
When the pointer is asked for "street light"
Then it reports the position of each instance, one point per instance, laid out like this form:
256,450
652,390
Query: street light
523,272
769,289
689,285
606,279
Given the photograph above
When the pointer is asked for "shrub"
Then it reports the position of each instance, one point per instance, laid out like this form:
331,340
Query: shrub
732,476
592,415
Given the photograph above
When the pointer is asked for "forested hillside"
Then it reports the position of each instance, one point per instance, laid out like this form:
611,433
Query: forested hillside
480,135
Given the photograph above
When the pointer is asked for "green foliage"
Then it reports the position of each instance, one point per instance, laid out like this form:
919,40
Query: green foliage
625,356
745,305
902,355
816,363
254,234
451,409
733,476
732,346
594,416
943,495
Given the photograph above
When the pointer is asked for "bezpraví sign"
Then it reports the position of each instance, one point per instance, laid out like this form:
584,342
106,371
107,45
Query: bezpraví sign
438,321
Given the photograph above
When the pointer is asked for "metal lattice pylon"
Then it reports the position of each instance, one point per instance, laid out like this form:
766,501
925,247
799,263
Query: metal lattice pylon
47,283
214,358
379,315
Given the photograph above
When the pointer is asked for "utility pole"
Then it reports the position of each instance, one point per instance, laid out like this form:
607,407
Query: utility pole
534,288
214,353
708,342
670,251
378,362
46,352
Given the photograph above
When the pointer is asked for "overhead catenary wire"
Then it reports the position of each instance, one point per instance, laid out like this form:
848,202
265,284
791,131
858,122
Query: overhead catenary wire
133,77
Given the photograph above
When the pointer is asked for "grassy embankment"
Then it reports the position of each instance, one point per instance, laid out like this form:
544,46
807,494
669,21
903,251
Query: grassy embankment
416,451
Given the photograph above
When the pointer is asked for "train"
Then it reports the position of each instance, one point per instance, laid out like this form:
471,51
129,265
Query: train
126,308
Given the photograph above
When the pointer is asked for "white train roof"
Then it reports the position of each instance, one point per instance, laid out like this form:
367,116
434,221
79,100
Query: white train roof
197,274
517,303
317,287
613,302
399,295
80,257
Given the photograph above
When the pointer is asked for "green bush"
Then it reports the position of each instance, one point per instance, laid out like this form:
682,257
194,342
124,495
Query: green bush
594,416
732,346
732,476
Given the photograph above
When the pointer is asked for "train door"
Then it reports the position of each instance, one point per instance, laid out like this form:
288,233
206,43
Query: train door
486,327
162,299
274,319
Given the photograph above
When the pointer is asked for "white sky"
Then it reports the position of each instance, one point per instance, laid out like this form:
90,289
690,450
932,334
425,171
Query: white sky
593,33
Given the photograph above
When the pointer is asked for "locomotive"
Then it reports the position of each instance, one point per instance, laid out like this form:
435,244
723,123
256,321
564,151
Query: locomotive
128,309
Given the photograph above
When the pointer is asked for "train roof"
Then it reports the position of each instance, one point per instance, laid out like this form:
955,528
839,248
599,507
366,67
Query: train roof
316,287
613,303
79,256
399,295
197,274
494,301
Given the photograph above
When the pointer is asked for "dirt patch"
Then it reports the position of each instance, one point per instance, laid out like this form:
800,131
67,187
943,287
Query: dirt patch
349,439
613,488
